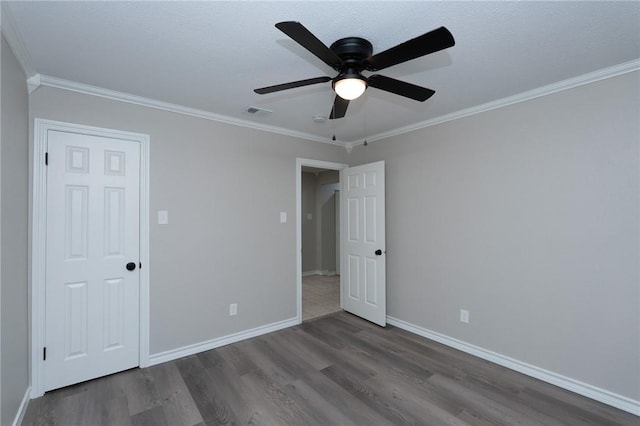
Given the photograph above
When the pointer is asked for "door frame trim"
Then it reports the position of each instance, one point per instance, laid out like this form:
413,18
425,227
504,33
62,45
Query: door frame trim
41,128
309,163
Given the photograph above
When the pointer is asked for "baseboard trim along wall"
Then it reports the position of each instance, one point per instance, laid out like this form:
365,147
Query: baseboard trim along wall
23,408
319,272
627,404
172,354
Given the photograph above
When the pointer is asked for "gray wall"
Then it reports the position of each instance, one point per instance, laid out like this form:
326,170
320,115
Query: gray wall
224,187
327,215
309,228
328,177
528,217
14,191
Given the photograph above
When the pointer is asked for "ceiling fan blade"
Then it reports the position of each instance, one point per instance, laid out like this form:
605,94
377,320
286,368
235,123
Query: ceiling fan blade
401,88
291,85
306,39
339,108
430,42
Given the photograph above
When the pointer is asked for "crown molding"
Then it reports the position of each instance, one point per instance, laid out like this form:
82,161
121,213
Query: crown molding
349,147
589,78
179,109
16,42
33,83
560,86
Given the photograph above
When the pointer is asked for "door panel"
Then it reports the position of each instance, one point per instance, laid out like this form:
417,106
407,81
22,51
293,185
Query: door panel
363,283
92,300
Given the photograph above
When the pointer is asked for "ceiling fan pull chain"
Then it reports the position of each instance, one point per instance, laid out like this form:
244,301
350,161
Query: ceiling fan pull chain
333,124
365,143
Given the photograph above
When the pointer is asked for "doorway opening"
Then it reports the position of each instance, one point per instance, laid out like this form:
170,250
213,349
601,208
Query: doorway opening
318,226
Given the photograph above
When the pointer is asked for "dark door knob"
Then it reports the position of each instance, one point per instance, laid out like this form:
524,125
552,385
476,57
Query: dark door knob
131,266
378,252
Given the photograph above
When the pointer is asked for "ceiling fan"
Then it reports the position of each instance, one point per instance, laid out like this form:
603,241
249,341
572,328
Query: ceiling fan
352,55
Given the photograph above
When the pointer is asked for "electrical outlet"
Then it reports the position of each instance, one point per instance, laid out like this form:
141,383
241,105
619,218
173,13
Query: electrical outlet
233,309
464,316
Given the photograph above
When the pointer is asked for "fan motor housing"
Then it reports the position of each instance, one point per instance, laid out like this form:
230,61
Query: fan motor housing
352,48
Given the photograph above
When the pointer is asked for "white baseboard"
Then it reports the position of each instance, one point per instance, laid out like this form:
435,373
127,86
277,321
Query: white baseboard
618,401
320,272
23,408
172,354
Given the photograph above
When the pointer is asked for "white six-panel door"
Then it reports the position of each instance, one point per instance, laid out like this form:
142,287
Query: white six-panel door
362,229
92,299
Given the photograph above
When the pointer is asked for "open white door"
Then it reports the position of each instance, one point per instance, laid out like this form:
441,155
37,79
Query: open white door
362,230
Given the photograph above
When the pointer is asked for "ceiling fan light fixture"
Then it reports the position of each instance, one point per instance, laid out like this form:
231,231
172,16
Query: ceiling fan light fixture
350,56
350,88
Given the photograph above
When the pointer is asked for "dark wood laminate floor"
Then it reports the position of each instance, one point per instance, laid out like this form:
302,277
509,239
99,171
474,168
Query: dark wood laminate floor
335,370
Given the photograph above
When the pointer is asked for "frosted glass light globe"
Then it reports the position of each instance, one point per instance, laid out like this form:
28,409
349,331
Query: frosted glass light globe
349,88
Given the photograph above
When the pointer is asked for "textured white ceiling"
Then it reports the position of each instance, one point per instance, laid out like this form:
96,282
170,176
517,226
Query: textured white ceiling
211,55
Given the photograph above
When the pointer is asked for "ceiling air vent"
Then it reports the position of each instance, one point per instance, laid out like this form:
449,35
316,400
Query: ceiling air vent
258,111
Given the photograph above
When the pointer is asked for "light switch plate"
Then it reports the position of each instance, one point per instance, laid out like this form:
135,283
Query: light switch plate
163,217
309,216
464,316
283,217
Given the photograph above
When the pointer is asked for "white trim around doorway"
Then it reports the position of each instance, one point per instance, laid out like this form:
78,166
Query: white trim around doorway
38,240
300,162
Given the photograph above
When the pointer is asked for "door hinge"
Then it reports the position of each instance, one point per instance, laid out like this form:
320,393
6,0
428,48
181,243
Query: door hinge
44,353
46,158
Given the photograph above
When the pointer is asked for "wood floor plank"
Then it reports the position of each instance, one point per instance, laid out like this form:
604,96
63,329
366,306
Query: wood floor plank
291,342
209,398
42,411
594,408
139,388
570,413
273,404
388,359
387,407
178,405
237,359
263,358
412,378
328,354
151,417
334,370
82,409
326,393
226,380
318,330
483,406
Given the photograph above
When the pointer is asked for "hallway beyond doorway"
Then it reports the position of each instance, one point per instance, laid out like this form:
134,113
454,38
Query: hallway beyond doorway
320,295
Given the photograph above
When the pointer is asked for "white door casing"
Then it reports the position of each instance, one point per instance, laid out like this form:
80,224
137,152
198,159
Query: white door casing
300,162
90,220
363,251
